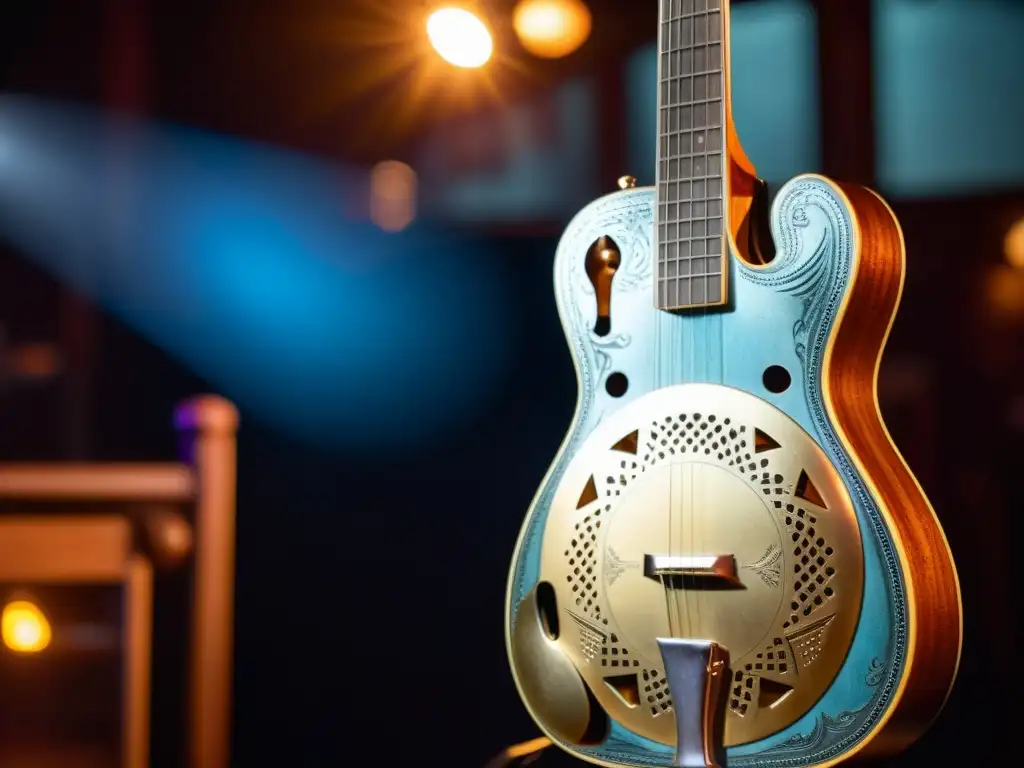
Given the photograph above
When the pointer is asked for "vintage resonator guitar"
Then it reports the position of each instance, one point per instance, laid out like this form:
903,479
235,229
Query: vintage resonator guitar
729,561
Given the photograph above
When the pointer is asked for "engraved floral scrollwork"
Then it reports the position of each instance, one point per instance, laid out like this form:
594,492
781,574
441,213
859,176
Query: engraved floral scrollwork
768,567
827,728
876,672
639,261
630,225
601,345
629,218
800,218
616,566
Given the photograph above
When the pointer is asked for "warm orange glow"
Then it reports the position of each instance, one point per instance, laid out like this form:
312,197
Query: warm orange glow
1004,288
406,81
459,37
24,627
392,195
37,360
552,29
1013,245
528,747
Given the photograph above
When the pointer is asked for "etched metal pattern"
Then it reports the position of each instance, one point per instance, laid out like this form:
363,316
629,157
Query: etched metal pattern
657,479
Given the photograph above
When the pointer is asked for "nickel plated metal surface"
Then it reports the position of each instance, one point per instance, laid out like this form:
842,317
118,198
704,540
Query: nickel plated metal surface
689,474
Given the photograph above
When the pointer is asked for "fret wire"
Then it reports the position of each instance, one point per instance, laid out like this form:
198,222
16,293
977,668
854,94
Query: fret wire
688,277
697,155
692,65
669,278
717,218
710,217
694,256
694,15
716,177
681,77
688,260
684,262
702,200
696,201
702,73
691,241
694,103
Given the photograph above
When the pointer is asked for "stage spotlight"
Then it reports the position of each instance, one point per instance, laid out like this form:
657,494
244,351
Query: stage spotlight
459,37
552,29
24,627
1013,245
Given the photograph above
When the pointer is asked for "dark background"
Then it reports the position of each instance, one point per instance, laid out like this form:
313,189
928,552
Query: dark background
370,589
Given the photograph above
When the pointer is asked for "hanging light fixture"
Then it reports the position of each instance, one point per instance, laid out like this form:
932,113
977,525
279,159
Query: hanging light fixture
552,29
460,37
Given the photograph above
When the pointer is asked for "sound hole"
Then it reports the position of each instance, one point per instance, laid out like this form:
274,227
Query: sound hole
617,384
776,379
547,607
603,261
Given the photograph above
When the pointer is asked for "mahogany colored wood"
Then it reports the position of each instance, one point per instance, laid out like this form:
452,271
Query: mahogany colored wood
97,482
208,427
65,549
138,654
928,566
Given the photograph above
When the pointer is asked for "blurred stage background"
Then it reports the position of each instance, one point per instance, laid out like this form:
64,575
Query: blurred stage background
185,205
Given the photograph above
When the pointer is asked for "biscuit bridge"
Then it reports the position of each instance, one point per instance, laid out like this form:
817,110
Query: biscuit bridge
700,571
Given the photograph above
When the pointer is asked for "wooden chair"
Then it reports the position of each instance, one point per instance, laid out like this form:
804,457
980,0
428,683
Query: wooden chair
132,518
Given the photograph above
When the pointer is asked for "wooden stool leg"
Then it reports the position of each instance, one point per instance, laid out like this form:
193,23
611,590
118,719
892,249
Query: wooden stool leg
208,426
138,643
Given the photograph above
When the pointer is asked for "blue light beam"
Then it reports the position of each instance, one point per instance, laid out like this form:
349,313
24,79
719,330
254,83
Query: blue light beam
254,267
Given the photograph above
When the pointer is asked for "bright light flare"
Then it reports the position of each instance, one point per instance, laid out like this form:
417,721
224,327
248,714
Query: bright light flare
459,37
24,627
1013,245
551,29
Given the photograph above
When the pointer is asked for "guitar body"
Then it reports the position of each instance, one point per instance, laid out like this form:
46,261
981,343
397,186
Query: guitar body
749,430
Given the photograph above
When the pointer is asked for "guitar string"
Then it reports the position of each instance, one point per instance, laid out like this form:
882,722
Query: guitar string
707,320
680,324
666,580
716,75
696,504
674,614
685,473
699,330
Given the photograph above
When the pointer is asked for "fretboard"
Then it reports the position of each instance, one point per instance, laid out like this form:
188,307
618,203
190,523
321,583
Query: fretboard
691,117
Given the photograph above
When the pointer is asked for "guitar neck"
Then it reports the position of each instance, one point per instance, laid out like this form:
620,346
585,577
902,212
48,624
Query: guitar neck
692,250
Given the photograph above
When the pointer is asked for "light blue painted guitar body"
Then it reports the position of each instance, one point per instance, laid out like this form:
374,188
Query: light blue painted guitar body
780,314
